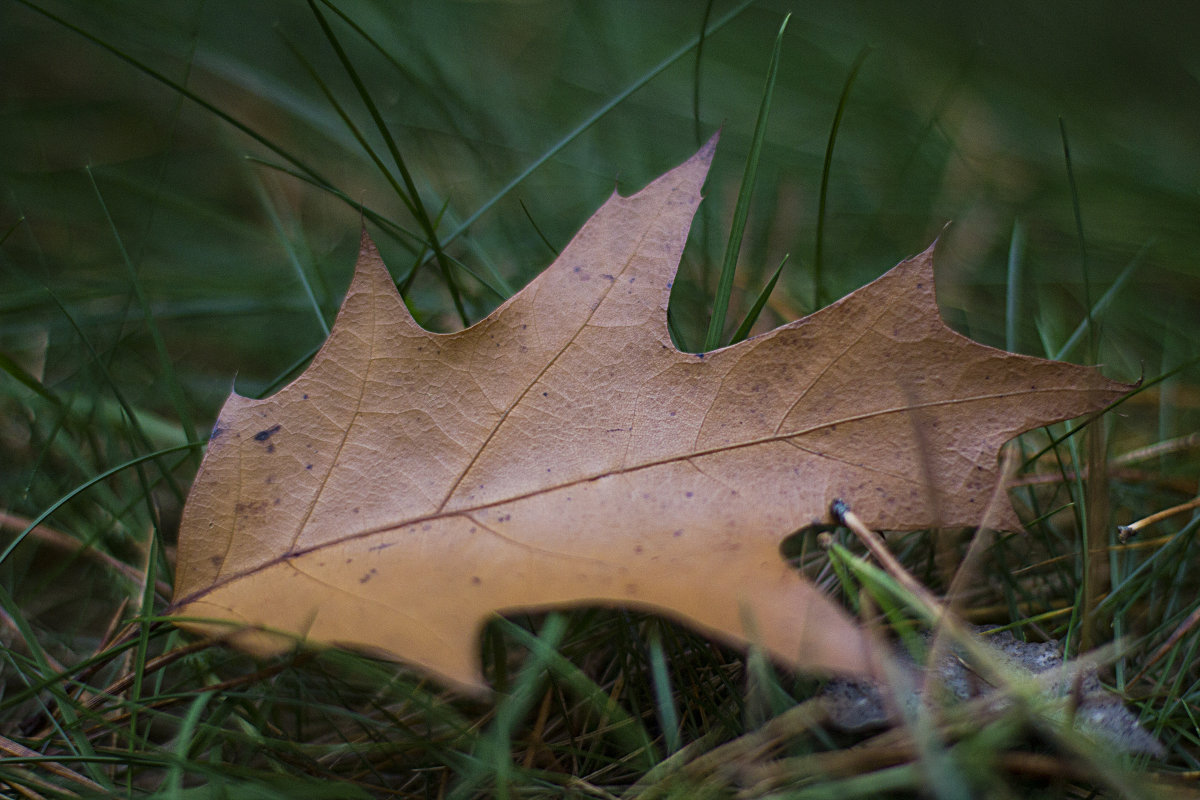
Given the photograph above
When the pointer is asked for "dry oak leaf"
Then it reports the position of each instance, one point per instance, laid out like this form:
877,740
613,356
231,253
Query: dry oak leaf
410,484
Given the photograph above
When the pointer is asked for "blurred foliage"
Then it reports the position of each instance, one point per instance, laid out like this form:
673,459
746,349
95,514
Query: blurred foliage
954,118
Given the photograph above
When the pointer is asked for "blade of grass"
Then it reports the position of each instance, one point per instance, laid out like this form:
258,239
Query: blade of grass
664,696
165,365
134,419
819,250
408,239
181,89
595,117
1083,254
141,653
108,473
12,228
1092,496
173,781
533,223
18,373
1102,304
562,142
494,759
1014,285
760,302
716,323
412,197
68,729
624,727
301,274
696,73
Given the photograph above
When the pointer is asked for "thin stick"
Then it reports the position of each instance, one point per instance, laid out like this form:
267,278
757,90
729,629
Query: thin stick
16,750
1127,532
63,541
878,548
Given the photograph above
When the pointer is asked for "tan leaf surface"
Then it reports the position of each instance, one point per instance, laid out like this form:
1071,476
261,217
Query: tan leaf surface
562,451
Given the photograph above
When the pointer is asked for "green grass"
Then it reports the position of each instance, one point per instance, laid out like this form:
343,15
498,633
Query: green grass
181,190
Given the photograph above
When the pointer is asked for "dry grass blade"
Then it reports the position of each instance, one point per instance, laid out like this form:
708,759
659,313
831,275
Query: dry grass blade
16,750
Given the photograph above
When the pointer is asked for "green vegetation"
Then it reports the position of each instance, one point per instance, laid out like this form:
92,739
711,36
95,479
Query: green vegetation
181,191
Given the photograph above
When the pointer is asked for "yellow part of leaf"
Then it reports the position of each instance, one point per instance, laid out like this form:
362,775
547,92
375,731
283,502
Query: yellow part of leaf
562,451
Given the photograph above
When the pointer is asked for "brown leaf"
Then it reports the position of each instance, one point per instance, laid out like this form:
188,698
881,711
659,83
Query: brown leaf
562,451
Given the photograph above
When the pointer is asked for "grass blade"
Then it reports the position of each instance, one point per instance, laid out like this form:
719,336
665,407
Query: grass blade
595,117
696,73
411,197
181,89
760,302
160,347
819,252
716,323
664,697
1083,254
293,257
1013,286
108,473
1097,311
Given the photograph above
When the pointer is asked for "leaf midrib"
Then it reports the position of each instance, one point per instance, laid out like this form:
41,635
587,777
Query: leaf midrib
467,511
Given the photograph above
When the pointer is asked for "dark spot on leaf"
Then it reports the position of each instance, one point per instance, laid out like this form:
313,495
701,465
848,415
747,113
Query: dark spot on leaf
354,510
475,580
270,448
637,549
262,436
367,577
689,494
250,508
677,534
608,277
383,546
216,431
308,466
305,396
